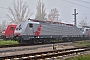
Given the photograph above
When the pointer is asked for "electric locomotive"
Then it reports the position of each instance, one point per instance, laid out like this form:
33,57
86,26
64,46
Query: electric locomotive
34,31
8,33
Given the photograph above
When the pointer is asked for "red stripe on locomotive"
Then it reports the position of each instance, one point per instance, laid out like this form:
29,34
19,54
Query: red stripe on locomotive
37,33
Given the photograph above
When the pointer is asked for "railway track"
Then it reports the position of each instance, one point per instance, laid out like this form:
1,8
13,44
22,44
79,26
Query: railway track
22,48
47,54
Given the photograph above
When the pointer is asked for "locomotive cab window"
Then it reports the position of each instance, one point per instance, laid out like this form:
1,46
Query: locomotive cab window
87,29
30,25
12,28
19,27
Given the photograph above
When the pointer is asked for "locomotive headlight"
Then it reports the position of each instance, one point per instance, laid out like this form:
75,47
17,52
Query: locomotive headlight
78,36
51,36
72,36
3,32
38,36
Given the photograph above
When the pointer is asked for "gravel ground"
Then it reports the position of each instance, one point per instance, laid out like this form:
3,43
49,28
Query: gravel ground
42,49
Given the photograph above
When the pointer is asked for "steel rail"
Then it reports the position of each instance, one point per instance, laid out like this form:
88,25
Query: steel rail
47,54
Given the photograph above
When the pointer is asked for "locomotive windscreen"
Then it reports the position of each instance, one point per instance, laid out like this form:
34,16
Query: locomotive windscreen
19,27
30,25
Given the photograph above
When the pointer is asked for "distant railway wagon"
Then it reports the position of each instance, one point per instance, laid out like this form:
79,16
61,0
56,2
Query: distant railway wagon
34,31
8,33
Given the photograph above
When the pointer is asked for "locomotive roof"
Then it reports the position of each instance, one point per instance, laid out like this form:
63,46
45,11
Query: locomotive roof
29,21
12,24
51,22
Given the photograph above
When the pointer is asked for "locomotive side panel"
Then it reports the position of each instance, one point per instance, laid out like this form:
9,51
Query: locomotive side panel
59,30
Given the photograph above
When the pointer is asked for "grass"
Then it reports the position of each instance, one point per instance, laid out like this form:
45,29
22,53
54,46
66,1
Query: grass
8,42
81,57
83,43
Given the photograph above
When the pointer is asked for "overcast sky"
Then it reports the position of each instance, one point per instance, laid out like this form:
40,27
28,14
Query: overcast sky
65,8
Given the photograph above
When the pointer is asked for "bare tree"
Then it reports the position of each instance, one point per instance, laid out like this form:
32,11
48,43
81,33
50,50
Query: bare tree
53,15
19,11
3,25
40,15
83,23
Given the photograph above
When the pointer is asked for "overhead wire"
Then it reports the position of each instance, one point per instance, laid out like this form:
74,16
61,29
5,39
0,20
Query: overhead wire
68,2
83,1
76,4
3,7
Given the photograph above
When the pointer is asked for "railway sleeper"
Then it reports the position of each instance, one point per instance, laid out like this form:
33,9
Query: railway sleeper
48,55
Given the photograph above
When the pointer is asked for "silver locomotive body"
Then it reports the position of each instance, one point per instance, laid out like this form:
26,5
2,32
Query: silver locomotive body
30,30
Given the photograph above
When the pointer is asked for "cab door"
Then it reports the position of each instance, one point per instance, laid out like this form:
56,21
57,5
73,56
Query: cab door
29,29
